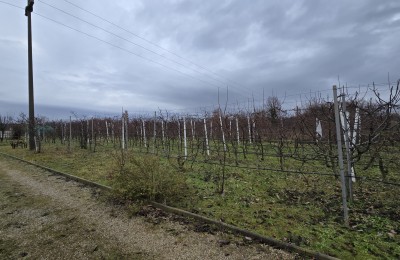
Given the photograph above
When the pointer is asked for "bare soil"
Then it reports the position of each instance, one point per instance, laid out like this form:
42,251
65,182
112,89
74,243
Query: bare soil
45,216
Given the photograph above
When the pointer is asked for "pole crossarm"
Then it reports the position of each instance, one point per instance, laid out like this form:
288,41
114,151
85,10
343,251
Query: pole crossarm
29,7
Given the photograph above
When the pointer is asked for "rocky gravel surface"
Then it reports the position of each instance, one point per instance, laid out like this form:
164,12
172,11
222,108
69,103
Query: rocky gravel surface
45,216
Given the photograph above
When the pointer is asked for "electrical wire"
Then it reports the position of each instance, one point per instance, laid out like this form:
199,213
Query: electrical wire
150,42
134,43
19,7
123,49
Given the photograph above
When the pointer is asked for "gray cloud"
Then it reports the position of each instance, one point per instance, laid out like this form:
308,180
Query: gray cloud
253,46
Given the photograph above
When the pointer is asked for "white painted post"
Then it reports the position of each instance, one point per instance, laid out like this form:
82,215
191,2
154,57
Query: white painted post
340,157
205,135
248,124
318,129
222,130
144,134
356,127
345,116
192,128
355,137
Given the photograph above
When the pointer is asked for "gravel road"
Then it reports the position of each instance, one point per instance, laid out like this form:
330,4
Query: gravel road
45,216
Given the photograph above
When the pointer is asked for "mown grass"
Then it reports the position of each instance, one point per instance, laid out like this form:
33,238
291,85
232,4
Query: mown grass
300,209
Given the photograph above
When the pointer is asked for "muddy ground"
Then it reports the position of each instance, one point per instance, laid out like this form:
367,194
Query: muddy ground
45,216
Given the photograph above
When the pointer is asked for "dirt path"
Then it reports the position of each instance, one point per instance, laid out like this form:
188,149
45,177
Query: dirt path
43,216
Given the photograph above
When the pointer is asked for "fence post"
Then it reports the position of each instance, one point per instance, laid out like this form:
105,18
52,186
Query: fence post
340,156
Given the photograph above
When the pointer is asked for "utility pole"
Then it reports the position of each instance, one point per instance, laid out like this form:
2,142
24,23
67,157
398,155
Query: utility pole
28,12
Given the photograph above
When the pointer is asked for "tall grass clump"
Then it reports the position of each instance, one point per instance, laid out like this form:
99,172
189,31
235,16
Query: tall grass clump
147,178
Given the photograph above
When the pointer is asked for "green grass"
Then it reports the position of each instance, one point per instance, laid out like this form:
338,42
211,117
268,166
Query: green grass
301,209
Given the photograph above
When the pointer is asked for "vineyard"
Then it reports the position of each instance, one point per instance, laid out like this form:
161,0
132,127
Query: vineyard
281,172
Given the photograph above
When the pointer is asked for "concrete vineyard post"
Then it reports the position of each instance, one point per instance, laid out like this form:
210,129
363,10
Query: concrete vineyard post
184,138
340,157
206,137
345,116
144,133
192,128
222,129
154,132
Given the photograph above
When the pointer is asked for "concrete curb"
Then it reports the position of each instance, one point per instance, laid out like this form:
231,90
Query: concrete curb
221,225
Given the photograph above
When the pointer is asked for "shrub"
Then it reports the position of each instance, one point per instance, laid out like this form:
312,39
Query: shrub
148,178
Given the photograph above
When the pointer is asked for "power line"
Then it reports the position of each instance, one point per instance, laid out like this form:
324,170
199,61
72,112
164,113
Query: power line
126,50
248,101
19,7
150,42
129,41
115,46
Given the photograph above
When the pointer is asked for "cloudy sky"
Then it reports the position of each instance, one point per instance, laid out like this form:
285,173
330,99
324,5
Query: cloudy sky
99,56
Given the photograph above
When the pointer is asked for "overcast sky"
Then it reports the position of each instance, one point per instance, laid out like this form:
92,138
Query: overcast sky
176,54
